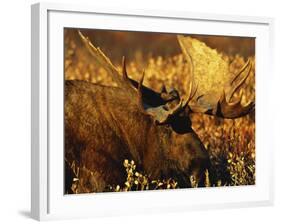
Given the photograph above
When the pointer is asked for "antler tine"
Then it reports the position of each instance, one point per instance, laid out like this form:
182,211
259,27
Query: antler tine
232,110
188,58
189,96
248,64
124,70
191,93
240,72
227,109
140,89
103,60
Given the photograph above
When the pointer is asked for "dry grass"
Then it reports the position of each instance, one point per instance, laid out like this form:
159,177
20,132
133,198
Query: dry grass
230,143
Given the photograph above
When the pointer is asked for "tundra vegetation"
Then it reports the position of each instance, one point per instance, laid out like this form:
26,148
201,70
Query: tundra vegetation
229,143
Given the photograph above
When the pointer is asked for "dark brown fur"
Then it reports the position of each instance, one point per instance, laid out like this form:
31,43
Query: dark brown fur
104,126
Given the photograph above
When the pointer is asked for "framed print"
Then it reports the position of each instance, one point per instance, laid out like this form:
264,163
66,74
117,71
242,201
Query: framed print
165,111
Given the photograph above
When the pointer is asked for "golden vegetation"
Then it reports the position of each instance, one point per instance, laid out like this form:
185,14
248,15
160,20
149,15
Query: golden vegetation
230,143
138,181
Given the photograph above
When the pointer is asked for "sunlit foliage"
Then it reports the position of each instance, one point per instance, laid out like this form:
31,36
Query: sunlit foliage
230,143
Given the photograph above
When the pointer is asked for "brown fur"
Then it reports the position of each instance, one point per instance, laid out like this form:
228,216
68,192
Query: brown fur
104,126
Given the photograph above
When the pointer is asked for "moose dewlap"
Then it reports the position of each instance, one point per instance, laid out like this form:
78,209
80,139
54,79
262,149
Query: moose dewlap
107,126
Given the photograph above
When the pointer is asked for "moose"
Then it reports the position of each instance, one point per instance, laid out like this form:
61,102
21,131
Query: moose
104,125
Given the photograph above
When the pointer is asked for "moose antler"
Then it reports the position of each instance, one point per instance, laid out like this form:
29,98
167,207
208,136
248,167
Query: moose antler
216,87
106,63
149,101
151,97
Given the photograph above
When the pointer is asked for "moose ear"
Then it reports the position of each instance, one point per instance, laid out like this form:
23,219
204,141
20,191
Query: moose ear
163,114
163,89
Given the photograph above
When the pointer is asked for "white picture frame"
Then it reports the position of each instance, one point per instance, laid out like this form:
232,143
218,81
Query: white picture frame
47,198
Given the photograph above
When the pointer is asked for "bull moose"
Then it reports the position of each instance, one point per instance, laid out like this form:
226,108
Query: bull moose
104,125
